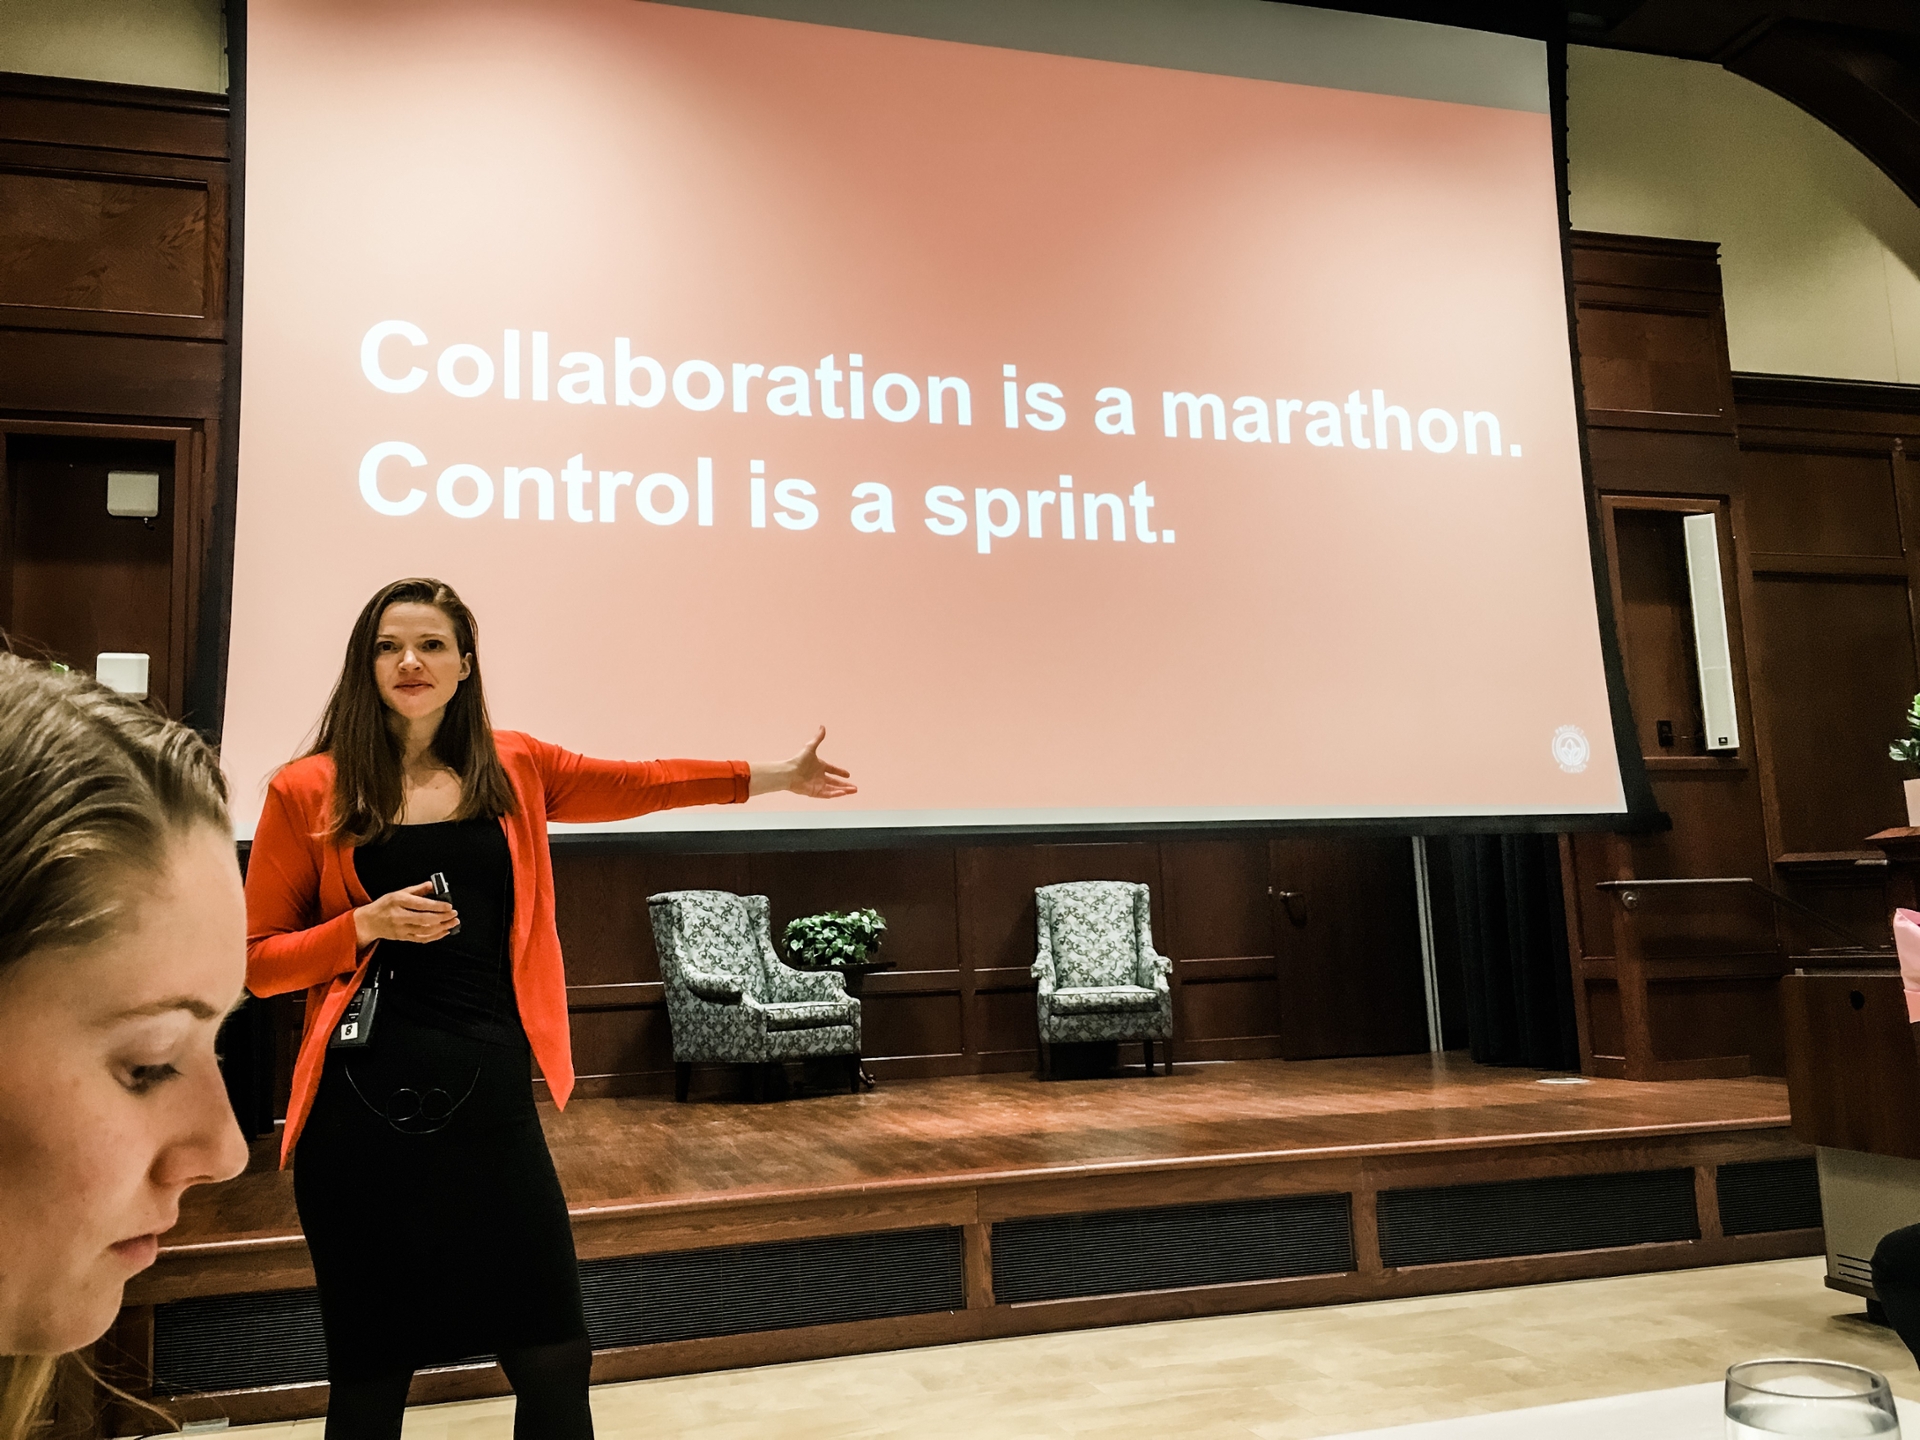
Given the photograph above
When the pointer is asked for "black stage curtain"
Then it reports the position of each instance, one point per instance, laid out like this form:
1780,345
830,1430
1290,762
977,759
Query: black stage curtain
1509,924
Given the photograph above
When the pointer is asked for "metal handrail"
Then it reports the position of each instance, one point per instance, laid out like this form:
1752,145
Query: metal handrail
1628,900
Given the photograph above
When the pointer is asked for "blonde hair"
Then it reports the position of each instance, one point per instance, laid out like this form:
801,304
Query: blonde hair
24,1383
93,789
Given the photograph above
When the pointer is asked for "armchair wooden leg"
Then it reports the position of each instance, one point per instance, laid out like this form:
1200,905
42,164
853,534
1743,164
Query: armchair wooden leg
1149,1047
1046,1061
853,1074
759,1091
1166,1056
682,1080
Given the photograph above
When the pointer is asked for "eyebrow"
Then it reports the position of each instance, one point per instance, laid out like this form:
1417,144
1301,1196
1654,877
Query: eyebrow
192,1004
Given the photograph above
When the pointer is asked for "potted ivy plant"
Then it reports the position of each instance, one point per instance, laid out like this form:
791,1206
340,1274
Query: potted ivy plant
835,939
1907,750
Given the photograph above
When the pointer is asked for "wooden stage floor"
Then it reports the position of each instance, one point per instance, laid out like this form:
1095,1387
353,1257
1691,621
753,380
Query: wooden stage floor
646,1152
1417,1174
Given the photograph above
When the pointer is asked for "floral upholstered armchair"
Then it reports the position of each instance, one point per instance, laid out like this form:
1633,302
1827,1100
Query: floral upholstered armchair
1099,977
732,1000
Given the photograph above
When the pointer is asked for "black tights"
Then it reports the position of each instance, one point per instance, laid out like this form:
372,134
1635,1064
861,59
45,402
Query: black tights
549,1385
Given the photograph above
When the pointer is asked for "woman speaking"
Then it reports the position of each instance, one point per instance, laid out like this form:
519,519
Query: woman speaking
435,1219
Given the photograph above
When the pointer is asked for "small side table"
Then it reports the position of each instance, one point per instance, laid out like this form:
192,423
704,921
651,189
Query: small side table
856,977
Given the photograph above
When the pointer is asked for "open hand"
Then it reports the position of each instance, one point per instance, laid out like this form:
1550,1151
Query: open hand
805,774
411,914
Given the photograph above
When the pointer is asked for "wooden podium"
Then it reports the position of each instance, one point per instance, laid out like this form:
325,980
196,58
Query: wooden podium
1853,1081
1853,1072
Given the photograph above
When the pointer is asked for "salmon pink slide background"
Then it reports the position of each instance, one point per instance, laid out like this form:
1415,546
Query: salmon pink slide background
521,276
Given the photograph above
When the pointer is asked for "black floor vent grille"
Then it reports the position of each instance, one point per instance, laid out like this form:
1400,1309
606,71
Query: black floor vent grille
645,1299
242,1342
1111,1252
1536,1217
238,1342
1761,1195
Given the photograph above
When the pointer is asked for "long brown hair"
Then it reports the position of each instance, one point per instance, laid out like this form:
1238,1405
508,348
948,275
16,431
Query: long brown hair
355,731
94,788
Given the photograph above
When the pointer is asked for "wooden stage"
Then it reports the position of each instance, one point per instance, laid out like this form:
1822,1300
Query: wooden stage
721,1234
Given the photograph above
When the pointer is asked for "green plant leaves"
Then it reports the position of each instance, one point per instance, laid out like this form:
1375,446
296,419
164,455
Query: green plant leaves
835,938
1908,750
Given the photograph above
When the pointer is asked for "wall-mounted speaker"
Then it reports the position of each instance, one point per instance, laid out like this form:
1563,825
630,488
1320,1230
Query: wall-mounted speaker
122,670
1710,643
133,492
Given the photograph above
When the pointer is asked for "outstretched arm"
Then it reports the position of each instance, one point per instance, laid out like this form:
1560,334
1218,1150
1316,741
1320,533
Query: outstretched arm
805,774
580,789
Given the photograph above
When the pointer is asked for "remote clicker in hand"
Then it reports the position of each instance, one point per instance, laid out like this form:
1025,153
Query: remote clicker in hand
443,891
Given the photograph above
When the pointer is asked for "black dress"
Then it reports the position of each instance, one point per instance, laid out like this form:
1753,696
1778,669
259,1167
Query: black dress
437,1225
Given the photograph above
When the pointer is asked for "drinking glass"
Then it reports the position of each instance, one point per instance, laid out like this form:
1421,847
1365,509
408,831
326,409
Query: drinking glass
1768,1398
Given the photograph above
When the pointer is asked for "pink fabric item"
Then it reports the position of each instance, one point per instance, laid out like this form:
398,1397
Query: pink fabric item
1906,940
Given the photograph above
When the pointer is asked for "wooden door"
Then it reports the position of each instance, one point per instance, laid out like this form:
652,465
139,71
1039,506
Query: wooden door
76,581
1219,933
1346,929
1832,632
1833,527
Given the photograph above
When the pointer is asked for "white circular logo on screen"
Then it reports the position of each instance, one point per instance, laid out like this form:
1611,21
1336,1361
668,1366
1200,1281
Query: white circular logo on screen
1570,749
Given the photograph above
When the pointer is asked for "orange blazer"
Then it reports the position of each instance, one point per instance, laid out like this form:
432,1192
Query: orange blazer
302,890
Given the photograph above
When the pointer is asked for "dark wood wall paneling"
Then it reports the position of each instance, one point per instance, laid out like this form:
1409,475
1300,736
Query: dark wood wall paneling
1335,970
113,301
1813,491
1833,505
113,248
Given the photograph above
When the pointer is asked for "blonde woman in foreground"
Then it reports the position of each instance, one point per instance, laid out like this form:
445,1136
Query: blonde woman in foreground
122,947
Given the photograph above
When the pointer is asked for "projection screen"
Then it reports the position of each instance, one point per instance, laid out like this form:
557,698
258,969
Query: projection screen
1093,413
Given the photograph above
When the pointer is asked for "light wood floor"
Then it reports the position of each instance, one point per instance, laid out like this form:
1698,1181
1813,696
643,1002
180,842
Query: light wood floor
1282,1374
